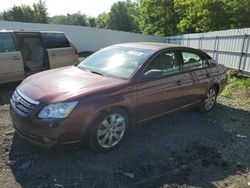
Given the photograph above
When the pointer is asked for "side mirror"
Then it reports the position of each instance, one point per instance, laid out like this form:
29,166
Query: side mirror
153,74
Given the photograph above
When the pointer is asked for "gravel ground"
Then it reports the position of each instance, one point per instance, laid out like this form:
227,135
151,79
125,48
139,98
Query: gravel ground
183,149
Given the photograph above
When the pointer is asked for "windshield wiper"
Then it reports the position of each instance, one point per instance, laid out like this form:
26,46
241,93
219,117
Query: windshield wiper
82,68
94,72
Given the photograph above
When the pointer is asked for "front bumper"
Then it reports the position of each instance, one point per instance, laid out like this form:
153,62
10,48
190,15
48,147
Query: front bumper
46,133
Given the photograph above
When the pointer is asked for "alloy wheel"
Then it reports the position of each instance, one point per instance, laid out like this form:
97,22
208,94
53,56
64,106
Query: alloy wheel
210,99
111,130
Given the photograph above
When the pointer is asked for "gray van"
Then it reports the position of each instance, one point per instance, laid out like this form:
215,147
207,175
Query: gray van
23,53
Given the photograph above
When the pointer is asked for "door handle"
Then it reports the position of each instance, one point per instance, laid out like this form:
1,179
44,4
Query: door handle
179,82
16,58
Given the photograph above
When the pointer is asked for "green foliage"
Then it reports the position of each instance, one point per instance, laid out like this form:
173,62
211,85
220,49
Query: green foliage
211,15
19,13
25,13
236,83
239,13
121,16
74,19
92,22
102,21
70,19
153,17
157,17
40,12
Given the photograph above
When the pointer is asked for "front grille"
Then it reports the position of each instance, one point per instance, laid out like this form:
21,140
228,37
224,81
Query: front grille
22,104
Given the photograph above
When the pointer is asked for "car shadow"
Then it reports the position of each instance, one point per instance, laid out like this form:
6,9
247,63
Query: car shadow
184,148
6,92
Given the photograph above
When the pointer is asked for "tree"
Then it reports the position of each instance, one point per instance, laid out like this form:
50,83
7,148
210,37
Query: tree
212,15
239,13
157,17
92,22
70,19
201,16
60,19
23,13
28,13
102,21
40,10
77,19
121,17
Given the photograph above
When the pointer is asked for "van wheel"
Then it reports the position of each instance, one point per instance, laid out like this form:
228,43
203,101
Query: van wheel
209,100
109,130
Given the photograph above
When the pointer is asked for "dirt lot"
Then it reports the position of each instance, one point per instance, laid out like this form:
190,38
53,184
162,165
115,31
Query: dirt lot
184,149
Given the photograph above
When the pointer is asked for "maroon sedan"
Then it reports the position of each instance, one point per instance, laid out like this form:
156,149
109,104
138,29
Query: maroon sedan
112,89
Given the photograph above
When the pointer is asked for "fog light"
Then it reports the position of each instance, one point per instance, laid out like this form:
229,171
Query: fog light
46,139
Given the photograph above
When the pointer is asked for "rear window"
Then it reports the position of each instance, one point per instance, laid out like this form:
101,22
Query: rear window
55,40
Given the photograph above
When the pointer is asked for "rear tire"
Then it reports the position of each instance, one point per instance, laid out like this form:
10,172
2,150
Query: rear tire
109,130
209,99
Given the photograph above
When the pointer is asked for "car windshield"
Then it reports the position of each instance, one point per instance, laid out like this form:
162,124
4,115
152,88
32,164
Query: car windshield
115,61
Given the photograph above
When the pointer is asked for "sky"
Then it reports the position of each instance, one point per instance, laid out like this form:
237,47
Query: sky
62,7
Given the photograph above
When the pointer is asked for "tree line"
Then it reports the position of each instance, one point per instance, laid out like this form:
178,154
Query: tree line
152,17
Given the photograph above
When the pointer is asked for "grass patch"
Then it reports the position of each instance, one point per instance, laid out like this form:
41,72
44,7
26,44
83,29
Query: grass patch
238,88
236,84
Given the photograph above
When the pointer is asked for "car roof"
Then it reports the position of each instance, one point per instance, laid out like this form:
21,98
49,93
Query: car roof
154,46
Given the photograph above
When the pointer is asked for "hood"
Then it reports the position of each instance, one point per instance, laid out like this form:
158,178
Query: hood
65,84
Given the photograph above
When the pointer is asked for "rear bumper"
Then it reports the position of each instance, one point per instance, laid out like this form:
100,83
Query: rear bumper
223,84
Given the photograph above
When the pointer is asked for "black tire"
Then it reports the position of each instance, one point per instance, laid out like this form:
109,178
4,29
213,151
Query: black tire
209,99
94,141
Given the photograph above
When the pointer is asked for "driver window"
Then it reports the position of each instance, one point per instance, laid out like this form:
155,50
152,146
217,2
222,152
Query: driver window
166,62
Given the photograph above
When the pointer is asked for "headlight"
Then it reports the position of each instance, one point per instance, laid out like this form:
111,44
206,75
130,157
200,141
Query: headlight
59,110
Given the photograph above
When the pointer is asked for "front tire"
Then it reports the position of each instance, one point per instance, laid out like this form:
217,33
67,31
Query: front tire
209,99
109,130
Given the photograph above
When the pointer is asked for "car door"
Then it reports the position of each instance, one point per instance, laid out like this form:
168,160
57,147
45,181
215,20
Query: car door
32,50
11,64
168,93
59,51
196,65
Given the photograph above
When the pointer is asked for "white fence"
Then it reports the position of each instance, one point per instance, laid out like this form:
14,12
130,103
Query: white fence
229,47
84,38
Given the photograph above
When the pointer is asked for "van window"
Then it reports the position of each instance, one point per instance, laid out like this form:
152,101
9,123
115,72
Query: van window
55,40
6,43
